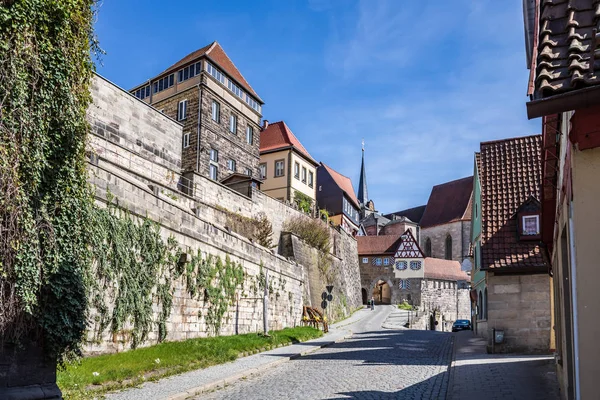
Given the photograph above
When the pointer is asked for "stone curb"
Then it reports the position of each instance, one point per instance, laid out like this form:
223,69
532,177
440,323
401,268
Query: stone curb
451,370
253,371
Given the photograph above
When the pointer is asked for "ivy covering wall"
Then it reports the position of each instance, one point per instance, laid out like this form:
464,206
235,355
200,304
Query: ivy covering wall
45,202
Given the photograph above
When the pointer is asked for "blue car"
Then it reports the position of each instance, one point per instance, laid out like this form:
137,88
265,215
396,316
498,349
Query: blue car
461,325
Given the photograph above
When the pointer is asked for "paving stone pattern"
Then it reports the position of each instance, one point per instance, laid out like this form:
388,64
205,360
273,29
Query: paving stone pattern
478,375
373,364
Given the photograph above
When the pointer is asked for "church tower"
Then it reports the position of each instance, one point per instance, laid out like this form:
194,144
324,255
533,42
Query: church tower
363,196
366,207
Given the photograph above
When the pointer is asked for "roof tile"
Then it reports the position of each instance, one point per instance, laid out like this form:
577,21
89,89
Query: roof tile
510,174
372,245
565,46
279,136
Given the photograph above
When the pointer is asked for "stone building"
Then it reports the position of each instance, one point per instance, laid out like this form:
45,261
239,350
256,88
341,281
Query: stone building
286,167
445,227
219,111
510,274
563,87
438,289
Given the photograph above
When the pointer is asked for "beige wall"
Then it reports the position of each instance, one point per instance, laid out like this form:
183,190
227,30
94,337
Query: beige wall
586,222
520,305
276,187
297,184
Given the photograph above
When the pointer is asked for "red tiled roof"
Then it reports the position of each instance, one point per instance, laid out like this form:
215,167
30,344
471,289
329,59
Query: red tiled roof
435,268
448,202
216,53
566,47
510,175
385,244
279,136
343,183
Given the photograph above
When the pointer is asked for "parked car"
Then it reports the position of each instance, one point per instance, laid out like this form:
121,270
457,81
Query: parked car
461,325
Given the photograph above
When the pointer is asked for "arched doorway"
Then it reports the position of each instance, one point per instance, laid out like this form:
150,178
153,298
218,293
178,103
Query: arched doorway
365,297
382,292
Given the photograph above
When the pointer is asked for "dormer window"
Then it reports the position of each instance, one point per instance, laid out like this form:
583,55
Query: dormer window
530,225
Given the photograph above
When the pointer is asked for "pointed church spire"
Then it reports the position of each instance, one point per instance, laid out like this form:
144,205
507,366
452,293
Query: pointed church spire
363,196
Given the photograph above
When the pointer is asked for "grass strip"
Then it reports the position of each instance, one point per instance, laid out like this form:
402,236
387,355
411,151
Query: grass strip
92,376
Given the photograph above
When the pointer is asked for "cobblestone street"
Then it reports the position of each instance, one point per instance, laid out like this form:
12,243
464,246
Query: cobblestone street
374,364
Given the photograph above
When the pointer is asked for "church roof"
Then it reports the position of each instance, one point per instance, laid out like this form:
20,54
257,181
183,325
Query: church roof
414,214
279,136
447,270
448,202
343,183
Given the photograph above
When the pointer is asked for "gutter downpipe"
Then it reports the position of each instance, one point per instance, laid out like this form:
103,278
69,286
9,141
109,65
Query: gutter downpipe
199,128
574,295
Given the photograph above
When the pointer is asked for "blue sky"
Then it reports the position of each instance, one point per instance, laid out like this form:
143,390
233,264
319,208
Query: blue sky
422,81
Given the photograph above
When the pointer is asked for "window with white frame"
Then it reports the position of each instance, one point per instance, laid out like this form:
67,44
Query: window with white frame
231,165
310,179
189,72
378,261
531,225
215,73
415,265
214,155
365,260
164,83
142,93
386,261
182,110
279,167
401,265
186,140
216,111
303,175
296,170
262,168
233,124
249,135
249,171
214,172
404,284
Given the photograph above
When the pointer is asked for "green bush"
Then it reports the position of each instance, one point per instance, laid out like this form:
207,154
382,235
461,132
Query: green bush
405,306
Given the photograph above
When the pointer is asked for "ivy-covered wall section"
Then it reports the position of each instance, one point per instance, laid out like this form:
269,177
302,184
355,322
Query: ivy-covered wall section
163,273
45,204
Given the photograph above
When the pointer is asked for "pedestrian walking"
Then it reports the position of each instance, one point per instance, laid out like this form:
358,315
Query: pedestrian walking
372,303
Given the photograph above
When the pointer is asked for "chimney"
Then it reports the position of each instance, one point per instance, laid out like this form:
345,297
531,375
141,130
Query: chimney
265,124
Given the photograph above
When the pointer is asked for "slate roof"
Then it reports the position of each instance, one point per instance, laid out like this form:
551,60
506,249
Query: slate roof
370,220
448,202
414,214
566,47
510,175
343,183
435,268
279,136
373,245
215,52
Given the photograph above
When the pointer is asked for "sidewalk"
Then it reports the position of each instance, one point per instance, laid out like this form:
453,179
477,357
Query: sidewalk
474,374
179,387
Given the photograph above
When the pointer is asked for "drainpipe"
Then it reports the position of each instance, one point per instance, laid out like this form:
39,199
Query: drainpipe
574,296
199,127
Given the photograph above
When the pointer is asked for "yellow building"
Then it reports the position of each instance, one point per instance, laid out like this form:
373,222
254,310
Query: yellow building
286,167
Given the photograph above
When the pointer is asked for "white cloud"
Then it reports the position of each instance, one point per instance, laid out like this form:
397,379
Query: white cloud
456,78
